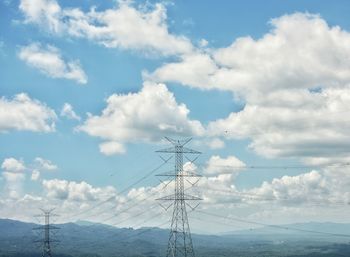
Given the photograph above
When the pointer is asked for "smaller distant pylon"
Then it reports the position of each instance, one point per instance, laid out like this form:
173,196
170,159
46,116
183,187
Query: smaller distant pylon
46,241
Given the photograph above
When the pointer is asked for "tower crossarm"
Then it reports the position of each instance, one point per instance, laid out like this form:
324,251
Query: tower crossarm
51,241
175,149
182,174
174,197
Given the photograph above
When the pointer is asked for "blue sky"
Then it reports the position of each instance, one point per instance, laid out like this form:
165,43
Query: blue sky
249,92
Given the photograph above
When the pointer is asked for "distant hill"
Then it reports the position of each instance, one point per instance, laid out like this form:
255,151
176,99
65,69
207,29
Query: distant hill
91,239
298,229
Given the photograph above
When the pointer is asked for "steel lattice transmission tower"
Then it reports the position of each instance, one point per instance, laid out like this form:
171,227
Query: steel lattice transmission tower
180,241
46,229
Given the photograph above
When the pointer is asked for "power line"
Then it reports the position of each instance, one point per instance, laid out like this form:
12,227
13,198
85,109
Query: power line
134,216
274,226
251,196
121,233
149,229
222,166
130,207
149,219
127,209
212,221
279,167
146,230
119,193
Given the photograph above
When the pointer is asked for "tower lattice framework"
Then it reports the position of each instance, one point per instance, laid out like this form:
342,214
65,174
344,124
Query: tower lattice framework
46,241
180,240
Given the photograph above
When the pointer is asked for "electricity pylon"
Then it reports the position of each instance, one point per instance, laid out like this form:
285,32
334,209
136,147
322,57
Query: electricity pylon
46,228
180,241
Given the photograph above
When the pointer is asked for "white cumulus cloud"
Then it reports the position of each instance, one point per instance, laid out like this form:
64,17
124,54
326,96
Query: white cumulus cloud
13,165
300,51
110,148
294,81
229,165
45,12
24,113
299,123
148,115
76,191
44,165
68,112
48,60
123,26
35,175
13,173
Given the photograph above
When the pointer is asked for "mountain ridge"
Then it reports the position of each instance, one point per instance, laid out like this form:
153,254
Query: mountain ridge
96,239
